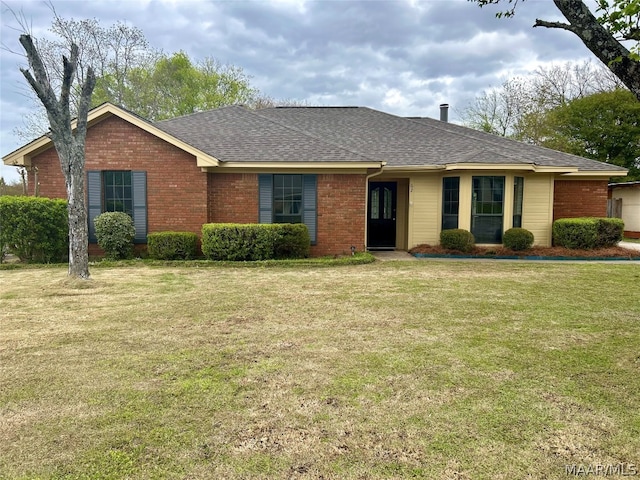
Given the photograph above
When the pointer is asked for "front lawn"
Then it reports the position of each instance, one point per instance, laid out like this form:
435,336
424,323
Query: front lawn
422,369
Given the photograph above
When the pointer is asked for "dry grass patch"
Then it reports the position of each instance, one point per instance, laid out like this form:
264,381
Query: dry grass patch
390,370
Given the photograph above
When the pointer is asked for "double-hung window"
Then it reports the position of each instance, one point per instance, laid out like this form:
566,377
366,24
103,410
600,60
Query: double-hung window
118,191
518,195
286,198
450,202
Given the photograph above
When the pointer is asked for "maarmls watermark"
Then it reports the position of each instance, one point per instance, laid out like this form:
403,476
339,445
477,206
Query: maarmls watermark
620,469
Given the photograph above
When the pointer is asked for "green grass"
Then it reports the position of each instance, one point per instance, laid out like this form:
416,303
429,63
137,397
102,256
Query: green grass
634,240
423,369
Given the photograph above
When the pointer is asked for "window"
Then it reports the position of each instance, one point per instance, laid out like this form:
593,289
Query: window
118,196
288,199
518,195
450,202
487,207
118,191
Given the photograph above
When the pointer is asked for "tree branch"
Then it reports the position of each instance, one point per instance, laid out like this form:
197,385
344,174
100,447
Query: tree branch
563,26
40,84
599,40
69,70
85,102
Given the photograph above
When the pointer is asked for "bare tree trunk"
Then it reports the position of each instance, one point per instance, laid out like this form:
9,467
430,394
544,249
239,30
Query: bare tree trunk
69,143
599,40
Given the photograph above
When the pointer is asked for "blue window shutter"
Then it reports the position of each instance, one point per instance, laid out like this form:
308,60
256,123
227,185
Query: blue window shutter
94,196
139,183
309,202
265,198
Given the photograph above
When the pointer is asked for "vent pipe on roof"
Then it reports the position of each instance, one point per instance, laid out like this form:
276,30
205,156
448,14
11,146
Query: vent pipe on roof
444,112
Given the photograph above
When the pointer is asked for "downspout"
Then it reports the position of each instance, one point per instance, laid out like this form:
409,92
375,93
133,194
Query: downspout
366,203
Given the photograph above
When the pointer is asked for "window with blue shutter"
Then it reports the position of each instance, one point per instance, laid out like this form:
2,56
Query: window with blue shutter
289,199
118,191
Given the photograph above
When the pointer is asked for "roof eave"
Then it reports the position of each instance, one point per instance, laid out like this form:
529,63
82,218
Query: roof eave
597,173
294,165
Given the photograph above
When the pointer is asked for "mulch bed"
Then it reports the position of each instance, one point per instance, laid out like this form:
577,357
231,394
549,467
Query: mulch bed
499,251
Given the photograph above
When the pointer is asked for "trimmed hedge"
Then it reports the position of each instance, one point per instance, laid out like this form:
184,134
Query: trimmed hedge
457,239
517,239
587,232
115,232
35,229
294,241
172,245
250,242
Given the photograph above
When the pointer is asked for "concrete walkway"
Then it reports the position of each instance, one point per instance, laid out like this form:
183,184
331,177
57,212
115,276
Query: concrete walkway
630,245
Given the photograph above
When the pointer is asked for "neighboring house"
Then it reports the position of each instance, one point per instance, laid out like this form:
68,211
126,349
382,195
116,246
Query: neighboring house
625,203
355,176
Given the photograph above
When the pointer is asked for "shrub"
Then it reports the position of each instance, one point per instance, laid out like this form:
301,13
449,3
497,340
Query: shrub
517,239
238,242
457,239
575,233
294,241
587,232
172,245
248,242
610,231
115,232
35,229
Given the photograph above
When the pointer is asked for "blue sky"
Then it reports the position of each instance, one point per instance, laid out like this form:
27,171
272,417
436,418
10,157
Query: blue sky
404,57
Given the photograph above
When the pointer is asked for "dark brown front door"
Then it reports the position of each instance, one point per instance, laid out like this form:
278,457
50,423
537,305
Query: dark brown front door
381,225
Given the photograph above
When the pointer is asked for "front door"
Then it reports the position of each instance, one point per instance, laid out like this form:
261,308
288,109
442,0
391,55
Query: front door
381,225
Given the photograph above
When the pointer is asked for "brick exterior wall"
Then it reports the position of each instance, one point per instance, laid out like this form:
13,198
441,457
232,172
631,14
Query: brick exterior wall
233,198
580,198
176,187
341,214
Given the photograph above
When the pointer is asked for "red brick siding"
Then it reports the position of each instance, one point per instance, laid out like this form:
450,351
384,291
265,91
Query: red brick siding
341,214
580,198
341,207
176,187
233,198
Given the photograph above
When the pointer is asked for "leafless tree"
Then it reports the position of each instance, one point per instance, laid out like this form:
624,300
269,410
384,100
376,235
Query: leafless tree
69,142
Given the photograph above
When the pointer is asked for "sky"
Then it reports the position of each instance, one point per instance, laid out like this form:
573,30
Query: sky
404,57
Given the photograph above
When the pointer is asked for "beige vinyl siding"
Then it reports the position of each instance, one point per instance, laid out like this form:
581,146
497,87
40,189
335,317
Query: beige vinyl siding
537,207
425,207
402,214
630,206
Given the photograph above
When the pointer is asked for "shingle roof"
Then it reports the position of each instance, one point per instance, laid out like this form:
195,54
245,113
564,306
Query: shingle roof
354,134
236,134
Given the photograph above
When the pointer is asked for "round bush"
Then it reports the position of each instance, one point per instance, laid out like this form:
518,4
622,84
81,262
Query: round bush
517,239
457,239
115,232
